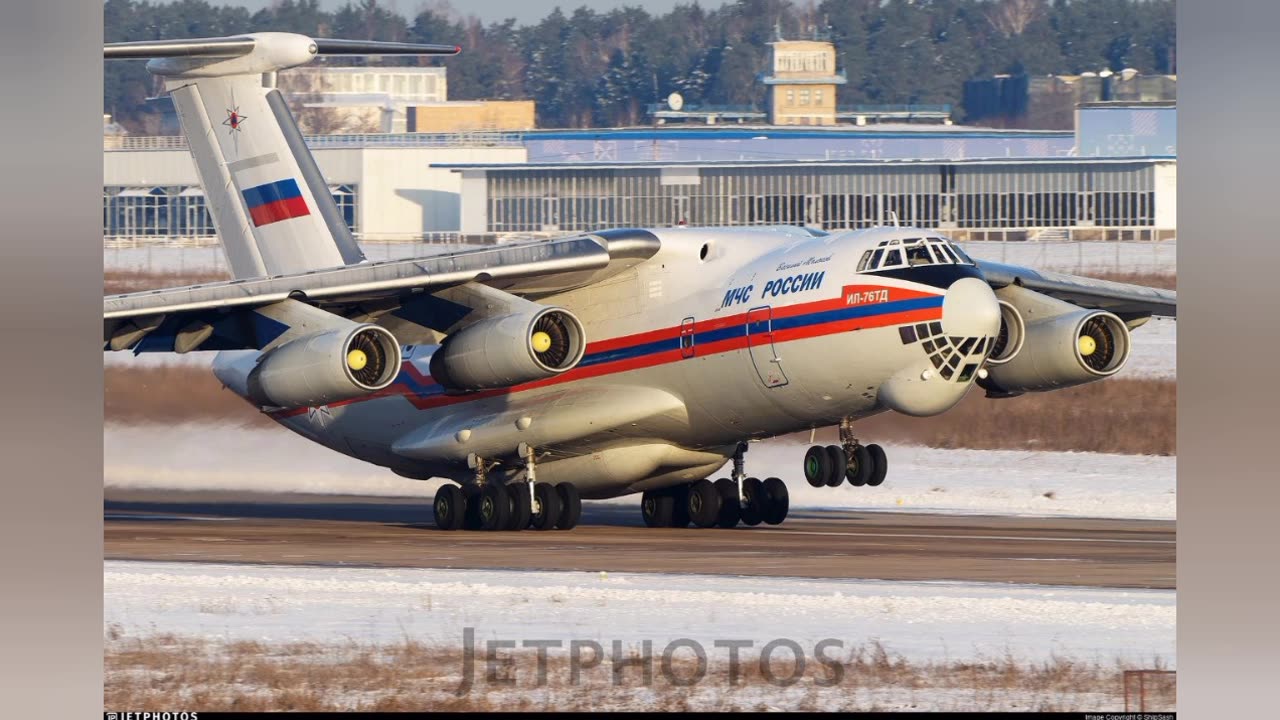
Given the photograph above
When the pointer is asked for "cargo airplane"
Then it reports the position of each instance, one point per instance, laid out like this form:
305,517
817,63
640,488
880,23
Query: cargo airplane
607,363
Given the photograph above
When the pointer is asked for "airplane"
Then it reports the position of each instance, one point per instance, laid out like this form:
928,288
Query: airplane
534,375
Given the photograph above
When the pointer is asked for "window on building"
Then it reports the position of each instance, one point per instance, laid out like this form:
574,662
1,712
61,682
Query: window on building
804,97
344,196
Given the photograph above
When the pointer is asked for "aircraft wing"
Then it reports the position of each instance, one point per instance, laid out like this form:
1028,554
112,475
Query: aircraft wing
1127,301
156,320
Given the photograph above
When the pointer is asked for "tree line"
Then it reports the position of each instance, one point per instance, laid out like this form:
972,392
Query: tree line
600,69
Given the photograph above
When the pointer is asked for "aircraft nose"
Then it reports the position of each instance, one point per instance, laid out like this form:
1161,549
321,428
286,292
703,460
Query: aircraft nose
970,309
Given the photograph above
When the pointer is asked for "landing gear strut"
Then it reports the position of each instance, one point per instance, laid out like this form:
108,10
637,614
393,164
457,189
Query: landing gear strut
724,503
485,505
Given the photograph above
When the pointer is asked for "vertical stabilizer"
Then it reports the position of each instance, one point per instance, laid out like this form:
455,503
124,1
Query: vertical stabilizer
270,204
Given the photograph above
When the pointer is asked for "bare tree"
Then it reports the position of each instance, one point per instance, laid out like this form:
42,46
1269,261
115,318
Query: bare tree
305,92
1012,17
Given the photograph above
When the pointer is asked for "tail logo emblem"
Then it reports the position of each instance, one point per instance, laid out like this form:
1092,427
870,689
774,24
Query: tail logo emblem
234,120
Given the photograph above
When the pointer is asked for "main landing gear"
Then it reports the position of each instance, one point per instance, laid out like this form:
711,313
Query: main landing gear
527,503
723,503
850,460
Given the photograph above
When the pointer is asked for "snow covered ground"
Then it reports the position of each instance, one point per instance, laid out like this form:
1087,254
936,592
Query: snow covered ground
920,621
1069,257
210,457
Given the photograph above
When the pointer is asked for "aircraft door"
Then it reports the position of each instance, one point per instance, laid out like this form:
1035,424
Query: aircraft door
687,349
760,345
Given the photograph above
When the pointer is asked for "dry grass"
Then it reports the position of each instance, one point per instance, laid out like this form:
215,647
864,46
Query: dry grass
161,672
172,394
1131,416
115,282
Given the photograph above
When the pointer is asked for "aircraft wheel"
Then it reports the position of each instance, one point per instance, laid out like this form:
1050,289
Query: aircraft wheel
494,507
704,503
570,506
879,465
860,467
817,466
679,505
471,507
450,507
656,507
753,504
546,511
838,461
521,507
730,506
777,501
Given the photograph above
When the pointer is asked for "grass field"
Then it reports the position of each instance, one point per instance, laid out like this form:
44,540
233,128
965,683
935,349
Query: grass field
164,671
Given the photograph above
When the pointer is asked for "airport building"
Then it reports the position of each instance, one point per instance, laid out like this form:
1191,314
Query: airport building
1112,199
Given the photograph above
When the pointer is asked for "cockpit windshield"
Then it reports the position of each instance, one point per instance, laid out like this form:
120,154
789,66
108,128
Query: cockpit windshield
912,252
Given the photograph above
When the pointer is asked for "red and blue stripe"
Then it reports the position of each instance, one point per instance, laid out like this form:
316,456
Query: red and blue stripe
275,201
711,336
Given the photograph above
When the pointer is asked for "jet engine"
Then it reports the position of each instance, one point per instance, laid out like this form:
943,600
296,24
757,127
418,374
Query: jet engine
1009,338
326,367
510,349
1060,351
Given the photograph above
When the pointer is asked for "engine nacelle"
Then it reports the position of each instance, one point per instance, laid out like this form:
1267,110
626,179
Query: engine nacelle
1060,351
1009,339
509,350
327,367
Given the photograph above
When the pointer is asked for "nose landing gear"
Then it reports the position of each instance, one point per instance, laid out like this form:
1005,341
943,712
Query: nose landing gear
850,460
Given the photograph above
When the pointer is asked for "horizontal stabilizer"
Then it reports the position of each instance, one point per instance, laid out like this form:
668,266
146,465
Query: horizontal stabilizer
235,46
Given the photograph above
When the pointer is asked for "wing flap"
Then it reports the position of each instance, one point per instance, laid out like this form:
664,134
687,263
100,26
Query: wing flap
1125,300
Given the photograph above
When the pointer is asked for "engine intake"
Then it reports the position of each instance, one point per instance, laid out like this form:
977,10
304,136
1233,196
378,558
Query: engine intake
1061,351
326,367
1009,339
510,350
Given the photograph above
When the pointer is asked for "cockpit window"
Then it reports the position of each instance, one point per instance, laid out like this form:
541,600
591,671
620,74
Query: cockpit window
912,252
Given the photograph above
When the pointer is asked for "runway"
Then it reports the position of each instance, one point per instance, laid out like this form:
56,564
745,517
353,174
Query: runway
389,532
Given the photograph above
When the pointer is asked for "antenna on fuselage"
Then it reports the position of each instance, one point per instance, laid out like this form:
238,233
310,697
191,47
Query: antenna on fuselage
893,215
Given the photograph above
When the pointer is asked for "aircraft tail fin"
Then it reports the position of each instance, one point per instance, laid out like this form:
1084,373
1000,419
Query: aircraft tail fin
271,206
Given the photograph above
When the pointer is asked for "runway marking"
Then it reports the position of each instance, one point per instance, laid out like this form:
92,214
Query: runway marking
979,537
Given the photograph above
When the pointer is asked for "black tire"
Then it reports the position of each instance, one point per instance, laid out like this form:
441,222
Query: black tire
704,503
777,501
450,507
879,465
656,507
547,511
838,463
494,507
471,507
753,504
730,505
679,505
817,466
570,506
520,504
859,470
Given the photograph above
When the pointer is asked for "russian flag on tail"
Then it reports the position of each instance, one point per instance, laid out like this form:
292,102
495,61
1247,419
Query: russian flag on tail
276,201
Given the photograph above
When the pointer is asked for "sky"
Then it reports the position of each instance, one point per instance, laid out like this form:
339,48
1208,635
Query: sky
524,11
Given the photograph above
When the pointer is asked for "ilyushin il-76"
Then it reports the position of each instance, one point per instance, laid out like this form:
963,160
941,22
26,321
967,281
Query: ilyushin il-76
535,374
